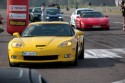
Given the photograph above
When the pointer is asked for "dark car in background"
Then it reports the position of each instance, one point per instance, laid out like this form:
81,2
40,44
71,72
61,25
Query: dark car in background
54,14
35,15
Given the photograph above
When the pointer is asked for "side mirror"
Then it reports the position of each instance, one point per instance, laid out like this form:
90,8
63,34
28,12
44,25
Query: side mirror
61,12
78,16
78,32
16,34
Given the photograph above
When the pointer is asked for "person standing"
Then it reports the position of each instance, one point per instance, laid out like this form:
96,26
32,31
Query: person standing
43,16
1,20
58,6
1,23
123,13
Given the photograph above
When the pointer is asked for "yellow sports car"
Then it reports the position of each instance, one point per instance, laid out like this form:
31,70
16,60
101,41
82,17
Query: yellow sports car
44,42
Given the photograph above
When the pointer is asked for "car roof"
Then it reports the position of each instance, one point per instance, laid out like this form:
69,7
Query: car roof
52,22
94,11
51,8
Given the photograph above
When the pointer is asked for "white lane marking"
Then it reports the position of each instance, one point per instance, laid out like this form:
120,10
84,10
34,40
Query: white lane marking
104,53
121,81
117,22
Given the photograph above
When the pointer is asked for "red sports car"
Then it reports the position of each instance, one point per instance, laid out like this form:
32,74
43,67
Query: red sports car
92,19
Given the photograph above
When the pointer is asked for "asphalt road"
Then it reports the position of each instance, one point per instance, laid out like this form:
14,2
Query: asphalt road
104,57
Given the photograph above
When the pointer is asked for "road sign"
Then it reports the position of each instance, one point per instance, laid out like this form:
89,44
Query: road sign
17,15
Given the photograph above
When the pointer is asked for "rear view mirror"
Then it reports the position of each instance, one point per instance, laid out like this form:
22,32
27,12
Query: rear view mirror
77,16
16,34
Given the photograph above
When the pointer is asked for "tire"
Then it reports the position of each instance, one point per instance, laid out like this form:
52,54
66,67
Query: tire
75,62
32,19
13,64
108,28
29,17
73,26
81,56
82,29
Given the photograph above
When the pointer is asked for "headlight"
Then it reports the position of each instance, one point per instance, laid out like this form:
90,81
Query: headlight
60,17
65,43
47,17
17,45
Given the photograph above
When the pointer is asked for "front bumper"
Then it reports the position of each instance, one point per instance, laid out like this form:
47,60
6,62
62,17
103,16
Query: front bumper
95,26
45,56
54,19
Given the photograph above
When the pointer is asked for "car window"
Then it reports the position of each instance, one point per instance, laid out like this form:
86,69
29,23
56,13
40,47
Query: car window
91,14
30,10
53,11
48,30
37,10
79,12
82,11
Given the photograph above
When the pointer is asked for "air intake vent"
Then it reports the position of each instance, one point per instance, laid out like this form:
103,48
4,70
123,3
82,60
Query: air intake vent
40,45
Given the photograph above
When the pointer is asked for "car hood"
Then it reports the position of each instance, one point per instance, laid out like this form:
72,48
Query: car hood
95,20
45,41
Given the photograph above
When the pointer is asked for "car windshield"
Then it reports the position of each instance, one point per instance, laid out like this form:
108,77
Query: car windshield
37,10
81,11
30,10
91,15
47,30
53,11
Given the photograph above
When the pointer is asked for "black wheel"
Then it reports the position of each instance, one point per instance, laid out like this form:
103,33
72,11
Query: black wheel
13,64
81,56
75,63
73,26
82,29
31,18
108,28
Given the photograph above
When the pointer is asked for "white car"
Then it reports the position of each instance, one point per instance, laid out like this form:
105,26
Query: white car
77,13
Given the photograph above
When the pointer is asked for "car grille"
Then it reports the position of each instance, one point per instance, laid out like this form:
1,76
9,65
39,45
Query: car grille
52,57
40,45
53,18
